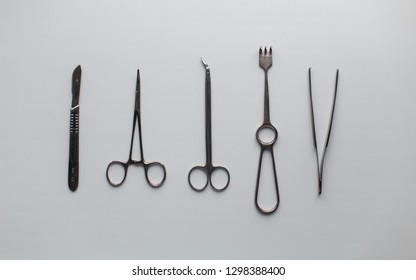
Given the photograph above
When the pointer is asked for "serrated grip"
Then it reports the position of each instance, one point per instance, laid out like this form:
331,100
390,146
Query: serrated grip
73,167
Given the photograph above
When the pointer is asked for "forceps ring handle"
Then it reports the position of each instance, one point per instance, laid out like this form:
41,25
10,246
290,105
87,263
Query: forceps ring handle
147,166
266,147
125,168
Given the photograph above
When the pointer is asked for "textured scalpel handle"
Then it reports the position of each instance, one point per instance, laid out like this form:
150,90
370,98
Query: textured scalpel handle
73,150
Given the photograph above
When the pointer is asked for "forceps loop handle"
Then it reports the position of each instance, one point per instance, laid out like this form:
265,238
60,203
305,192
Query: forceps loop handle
268,148
125,168
147,167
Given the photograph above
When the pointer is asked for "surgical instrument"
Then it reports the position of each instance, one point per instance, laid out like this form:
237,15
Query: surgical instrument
265,62
320,164
208,168
147,165
73,166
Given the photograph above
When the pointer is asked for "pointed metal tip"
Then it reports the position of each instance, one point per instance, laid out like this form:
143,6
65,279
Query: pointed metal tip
205,64
320,187
76,80
138,76
77,71
138,81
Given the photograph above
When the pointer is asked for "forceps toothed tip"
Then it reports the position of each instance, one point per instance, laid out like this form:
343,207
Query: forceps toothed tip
208,169
73,166
147,165
265,62
320,164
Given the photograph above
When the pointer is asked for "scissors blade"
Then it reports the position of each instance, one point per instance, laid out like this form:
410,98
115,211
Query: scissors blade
138,91
208,133
207,80
76,85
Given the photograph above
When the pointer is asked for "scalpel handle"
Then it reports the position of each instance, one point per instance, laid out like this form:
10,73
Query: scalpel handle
73,167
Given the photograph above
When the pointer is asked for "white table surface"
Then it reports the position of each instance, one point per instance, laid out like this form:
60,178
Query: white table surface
367,209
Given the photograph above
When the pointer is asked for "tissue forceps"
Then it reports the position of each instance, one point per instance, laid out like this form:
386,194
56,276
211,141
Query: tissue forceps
208,168
265,62
320,164
147,165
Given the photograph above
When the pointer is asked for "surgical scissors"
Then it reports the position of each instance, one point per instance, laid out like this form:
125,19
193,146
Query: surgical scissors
320,164
265,62
208,168
147,165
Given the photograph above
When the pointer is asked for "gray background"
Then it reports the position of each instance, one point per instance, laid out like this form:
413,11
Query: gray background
367,209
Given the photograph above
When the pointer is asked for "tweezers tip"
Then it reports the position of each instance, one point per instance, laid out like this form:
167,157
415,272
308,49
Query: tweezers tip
320,187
